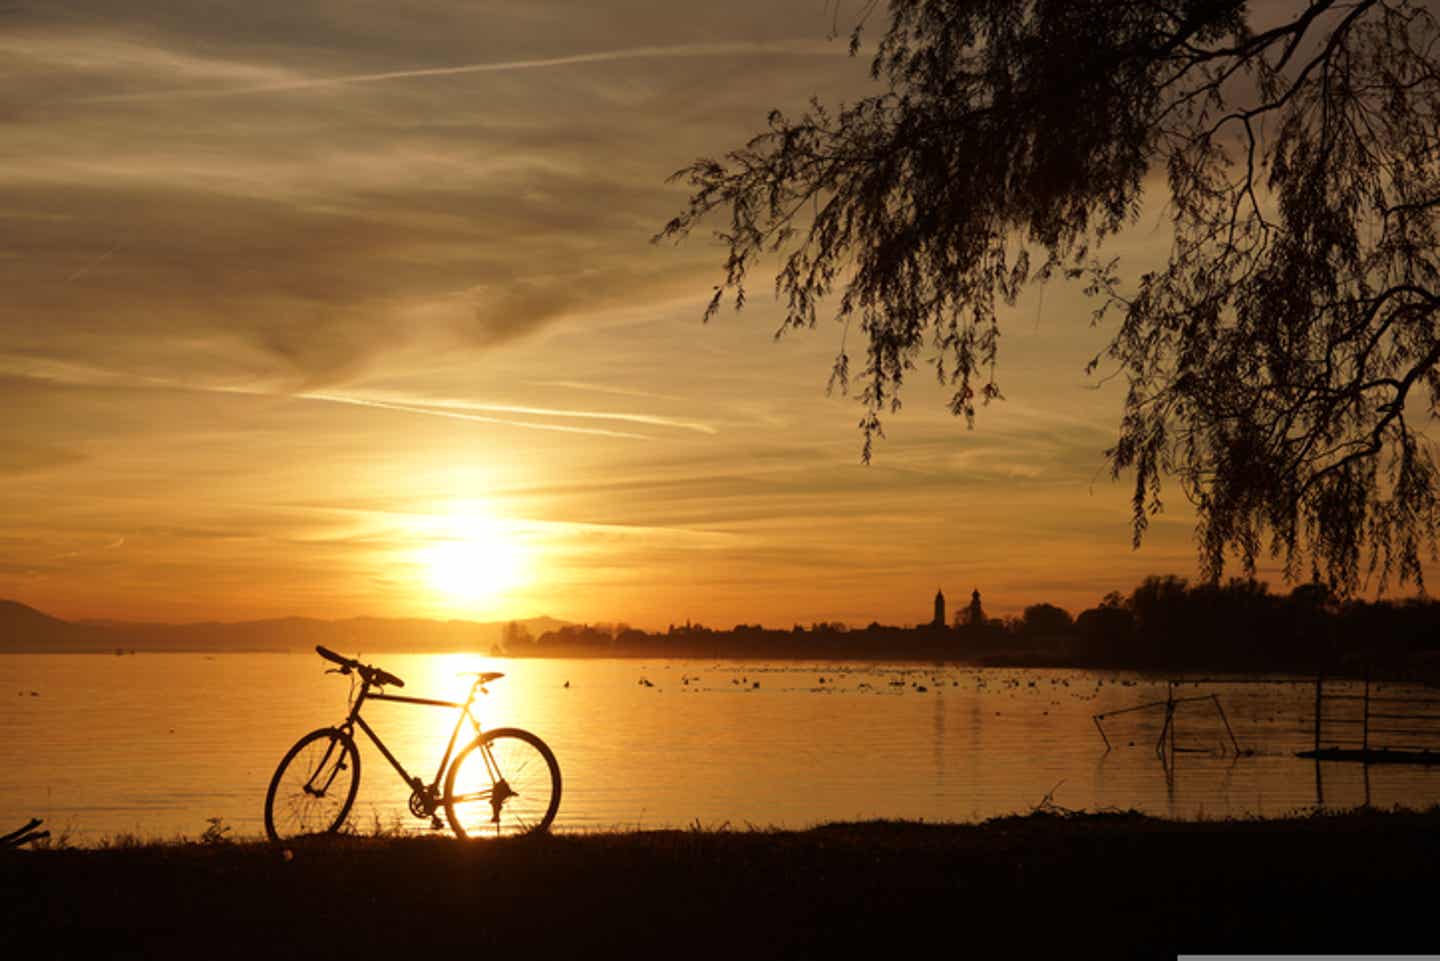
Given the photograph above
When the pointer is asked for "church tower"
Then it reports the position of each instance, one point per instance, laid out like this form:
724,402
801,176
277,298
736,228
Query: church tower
939,609
975,614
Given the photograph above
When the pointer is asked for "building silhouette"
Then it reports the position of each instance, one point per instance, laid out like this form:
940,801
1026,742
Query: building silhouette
939,620
975,614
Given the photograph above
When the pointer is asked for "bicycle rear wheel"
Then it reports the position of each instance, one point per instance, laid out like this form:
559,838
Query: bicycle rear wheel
506,783
314,786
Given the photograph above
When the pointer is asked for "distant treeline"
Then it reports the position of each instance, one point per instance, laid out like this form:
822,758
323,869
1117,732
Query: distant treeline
1165,623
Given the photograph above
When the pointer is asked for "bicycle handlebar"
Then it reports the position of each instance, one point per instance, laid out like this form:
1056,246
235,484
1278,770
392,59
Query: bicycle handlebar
371,675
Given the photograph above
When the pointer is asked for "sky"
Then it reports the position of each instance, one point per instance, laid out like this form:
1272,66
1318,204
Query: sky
339,307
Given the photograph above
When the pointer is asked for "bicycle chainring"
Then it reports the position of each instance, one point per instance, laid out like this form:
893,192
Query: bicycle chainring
422,802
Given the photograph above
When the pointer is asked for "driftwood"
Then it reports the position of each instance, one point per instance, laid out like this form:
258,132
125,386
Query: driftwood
23,836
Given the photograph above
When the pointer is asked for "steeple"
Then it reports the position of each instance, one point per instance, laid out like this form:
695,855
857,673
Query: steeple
939,620
975,614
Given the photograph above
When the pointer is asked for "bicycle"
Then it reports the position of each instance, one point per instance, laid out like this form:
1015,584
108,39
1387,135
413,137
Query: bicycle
505,782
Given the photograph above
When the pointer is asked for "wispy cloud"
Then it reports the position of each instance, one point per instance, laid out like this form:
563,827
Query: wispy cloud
242,253
603,389
94,52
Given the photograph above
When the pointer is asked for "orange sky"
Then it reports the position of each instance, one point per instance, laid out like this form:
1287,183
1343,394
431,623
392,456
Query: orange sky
330,309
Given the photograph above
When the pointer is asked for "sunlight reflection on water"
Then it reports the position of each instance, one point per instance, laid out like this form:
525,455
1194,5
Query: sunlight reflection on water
156,744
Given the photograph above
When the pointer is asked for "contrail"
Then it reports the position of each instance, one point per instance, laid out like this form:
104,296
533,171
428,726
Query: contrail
649,420
473,418
68,374
601,56
92,264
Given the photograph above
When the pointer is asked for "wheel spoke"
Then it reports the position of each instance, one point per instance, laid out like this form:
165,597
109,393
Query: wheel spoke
504,785
470,796
314,787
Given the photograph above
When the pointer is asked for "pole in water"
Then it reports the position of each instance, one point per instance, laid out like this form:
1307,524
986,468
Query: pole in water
1234,743
1365,732
1101,728
1168,727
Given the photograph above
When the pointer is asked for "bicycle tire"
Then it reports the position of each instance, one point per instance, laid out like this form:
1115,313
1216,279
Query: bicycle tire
525,805
303,813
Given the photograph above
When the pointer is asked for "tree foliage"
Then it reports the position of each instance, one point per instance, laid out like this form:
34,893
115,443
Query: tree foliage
1281,359
1042,619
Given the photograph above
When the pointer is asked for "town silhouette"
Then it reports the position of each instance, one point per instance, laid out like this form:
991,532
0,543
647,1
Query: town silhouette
1166,622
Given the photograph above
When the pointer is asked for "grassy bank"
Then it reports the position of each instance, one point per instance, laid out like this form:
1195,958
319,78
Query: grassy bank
1045,885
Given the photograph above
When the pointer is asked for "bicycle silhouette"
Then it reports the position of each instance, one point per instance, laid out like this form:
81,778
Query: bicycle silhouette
503,783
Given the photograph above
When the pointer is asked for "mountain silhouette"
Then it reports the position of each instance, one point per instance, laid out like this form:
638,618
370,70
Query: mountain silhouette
23,629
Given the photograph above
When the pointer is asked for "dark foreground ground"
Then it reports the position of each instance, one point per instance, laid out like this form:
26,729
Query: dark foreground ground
1042,886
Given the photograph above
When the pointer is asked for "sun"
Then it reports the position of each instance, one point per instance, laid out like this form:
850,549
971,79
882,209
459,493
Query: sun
474,562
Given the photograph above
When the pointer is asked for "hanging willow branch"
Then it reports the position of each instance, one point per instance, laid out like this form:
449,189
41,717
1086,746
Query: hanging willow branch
1283,362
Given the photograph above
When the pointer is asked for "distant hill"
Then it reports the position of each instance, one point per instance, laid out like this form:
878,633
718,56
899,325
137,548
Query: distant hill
23,629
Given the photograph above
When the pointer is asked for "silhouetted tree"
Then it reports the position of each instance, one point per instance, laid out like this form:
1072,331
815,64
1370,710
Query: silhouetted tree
1045,620
1161,615
1276,362
1106,635
515,638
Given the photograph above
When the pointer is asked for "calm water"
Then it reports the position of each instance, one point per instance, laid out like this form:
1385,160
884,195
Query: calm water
155,744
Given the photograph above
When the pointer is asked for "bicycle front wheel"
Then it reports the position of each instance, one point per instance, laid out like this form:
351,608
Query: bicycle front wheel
506,783
314,786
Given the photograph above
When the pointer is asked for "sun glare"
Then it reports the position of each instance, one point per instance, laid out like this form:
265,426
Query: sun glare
473,562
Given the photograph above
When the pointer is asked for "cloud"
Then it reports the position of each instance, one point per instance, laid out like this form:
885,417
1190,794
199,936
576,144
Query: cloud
82,53
24,457
603,389
390,255
318,241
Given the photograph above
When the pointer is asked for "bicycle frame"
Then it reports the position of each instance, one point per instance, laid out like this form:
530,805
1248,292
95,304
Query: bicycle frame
426,791
314,787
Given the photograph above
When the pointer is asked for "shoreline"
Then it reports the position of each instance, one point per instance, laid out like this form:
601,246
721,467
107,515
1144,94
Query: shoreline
985,662
1046,884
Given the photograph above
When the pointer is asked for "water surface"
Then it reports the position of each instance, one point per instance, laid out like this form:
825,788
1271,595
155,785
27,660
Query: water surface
156,744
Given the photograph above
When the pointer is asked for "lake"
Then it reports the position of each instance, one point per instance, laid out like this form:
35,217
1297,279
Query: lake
155,744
